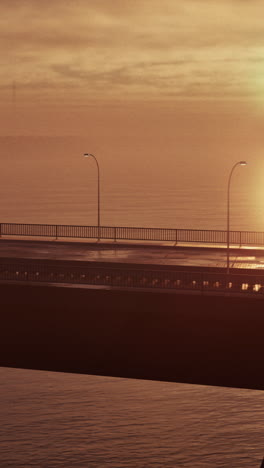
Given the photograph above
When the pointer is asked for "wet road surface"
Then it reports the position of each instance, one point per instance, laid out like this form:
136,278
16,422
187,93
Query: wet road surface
127,253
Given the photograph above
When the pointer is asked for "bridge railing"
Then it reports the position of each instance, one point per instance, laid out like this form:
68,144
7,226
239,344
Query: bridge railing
128,277
201,236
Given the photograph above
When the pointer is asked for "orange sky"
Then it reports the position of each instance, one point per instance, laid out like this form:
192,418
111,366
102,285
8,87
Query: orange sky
144,84
64,61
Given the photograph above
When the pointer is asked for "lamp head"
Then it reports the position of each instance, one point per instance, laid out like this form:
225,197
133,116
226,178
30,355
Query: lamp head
86,155
242,163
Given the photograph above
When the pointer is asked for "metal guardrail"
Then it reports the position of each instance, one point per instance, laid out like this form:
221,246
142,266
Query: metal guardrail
115,276
133,234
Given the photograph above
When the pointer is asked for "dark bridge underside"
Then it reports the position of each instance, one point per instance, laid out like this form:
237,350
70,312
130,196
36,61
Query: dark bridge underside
210,340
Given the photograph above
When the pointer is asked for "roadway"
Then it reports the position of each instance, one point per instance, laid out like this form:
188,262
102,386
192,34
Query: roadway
131,253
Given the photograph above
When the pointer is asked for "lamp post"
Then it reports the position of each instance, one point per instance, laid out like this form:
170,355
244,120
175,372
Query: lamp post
87,155
239,163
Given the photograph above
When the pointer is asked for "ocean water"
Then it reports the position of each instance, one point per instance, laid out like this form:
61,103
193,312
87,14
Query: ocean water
63,420
47,180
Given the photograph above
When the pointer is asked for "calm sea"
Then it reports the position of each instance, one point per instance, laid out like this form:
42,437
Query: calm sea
63,420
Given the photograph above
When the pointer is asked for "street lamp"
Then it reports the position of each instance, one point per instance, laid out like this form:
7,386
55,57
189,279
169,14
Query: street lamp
87,155
239,163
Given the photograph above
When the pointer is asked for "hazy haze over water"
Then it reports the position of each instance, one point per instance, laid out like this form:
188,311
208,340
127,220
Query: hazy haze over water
47,180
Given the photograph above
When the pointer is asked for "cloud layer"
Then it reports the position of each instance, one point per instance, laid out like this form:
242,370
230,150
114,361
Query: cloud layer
132,50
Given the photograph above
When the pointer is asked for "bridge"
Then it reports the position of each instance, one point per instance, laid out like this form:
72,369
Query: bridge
133,308
115,268
133,258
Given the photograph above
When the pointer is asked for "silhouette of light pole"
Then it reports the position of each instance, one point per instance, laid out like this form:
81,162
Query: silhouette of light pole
239,163
87,155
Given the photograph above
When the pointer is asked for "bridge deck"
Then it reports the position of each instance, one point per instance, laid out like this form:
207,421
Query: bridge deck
246,258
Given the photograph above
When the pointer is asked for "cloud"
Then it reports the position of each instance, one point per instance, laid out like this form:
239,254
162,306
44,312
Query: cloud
190,47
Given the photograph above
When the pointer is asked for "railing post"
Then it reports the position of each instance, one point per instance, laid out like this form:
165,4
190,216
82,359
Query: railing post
0,229
56,232
114,234
240,243
176,236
